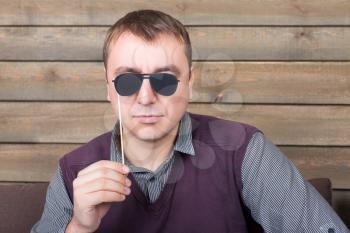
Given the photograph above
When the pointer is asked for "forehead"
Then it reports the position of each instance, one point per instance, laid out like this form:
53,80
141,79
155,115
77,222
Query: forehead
133,51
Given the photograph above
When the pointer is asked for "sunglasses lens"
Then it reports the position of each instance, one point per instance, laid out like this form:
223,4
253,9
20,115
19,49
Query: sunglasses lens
127,84
164,83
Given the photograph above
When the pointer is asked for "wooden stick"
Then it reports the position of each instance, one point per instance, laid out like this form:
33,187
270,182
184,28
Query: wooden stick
121,131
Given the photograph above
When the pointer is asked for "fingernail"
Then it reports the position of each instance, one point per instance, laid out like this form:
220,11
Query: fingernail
126,169
127,190
128,182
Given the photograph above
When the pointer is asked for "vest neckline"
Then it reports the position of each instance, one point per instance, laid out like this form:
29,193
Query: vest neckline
168,189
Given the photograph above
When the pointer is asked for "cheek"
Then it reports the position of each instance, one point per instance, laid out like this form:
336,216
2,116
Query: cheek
182,93
179,98
126,104
113,98
176,104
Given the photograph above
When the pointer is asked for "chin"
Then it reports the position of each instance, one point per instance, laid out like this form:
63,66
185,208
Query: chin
151,132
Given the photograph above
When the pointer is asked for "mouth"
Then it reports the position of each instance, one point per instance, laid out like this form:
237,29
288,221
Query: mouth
148,119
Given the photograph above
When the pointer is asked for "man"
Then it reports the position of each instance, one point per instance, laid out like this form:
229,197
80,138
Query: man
184,172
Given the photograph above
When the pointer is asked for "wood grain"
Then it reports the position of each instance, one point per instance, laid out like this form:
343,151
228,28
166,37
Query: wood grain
209,43
221,82
31,162
45,122
253,12
38,162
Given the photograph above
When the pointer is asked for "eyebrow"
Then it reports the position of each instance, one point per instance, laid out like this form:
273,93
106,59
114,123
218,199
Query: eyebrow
125,69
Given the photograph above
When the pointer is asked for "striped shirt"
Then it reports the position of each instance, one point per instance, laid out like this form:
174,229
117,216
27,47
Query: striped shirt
289,204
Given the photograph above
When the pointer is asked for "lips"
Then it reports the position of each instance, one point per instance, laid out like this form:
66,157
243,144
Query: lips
148,119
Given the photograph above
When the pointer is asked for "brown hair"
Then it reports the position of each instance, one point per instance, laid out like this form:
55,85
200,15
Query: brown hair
148,24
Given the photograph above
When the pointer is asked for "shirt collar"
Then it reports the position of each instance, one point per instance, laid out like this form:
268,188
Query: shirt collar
184,138
182,144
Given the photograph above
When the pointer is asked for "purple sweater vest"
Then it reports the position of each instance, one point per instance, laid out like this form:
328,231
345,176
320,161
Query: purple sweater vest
203,192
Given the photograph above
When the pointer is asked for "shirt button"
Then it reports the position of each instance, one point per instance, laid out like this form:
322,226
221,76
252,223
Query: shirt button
331,230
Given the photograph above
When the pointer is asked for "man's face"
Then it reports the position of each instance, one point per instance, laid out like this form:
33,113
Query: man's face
146,114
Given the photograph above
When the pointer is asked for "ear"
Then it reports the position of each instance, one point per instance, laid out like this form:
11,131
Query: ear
108,94
191,81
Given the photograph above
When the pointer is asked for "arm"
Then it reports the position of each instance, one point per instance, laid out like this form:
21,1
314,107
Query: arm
95,188
279,199
58,207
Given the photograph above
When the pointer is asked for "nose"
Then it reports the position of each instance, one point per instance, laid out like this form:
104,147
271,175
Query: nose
146,95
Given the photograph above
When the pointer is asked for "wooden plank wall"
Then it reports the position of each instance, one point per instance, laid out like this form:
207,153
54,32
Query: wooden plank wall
280,65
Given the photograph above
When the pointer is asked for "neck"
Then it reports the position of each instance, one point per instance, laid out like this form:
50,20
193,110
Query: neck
153,153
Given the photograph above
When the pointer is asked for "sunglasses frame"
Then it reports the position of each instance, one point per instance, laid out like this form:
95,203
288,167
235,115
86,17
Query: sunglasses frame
144,76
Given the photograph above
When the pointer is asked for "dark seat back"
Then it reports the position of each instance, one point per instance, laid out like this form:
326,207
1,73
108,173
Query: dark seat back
22,204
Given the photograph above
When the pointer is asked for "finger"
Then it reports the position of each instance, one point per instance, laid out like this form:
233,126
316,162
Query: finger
107,164
102,184
99,197
101,173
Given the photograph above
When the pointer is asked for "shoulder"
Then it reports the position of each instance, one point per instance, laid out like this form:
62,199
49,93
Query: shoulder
96,149
222,132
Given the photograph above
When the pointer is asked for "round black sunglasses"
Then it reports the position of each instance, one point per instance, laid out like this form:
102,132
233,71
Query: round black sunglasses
129,83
